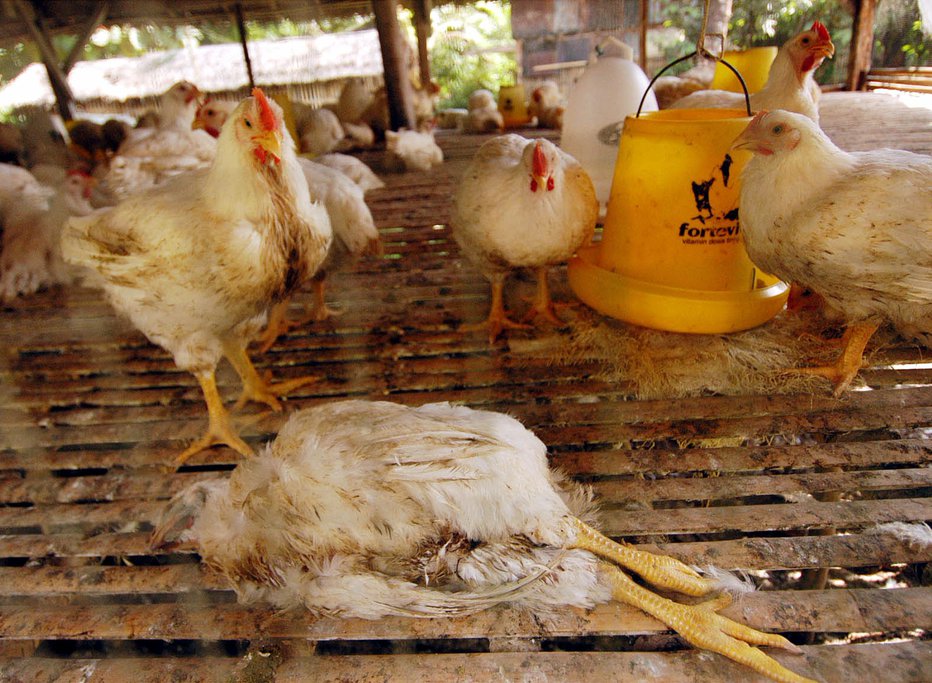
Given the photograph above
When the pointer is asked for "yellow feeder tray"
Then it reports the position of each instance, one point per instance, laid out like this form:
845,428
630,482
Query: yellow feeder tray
674,309
753,64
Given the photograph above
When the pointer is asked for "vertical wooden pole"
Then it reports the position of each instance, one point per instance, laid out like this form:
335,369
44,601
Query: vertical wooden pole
642,35
862,44
422,26
57,78
394,63
241,27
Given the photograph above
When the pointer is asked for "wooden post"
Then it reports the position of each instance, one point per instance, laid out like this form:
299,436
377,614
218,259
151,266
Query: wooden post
642,35
84,34
422,26
241,27
57,78
397,84
862,44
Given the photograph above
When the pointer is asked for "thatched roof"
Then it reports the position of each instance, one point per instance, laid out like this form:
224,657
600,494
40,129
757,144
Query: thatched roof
213,68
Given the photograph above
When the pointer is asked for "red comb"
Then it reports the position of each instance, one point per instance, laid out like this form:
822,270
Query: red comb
819,28
79,173
266,115
539,162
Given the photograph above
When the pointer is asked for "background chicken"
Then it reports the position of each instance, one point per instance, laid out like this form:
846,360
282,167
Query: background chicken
412,150
354,233
319,132
522,204
175,109
483,115
31,256
196,263
369,509
546,105
789,86
855,228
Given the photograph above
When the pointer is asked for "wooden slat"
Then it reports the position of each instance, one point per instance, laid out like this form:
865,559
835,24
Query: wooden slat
863,610
904,662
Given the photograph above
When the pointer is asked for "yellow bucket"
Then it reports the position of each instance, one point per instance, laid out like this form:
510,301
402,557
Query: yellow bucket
672,256
753,64
513,105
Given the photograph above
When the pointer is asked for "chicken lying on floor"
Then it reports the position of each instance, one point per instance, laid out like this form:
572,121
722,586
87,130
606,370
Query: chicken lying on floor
369,509
522,204
789,84
854,228
196,263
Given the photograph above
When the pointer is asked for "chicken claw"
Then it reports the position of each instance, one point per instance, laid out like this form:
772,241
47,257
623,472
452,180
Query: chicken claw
277,325
498,319
255,388
219,428
849,361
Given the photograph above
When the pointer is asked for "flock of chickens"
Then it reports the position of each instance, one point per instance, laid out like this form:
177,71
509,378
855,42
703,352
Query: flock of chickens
367,509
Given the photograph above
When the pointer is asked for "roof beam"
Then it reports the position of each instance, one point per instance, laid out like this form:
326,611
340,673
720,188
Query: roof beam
241,28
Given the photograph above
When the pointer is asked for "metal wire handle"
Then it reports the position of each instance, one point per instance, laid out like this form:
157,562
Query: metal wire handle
744,87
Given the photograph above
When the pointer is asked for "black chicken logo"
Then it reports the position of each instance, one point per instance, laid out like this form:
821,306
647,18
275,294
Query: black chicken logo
724,221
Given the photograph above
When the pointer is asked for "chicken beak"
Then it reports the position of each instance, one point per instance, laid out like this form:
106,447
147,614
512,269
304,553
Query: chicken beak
826,49
270,142
748,140
197,124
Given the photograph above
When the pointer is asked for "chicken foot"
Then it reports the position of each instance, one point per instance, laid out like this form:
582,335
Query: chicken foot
850,359
698,624
498,319
702,627
277,325
543,307
219,429
254,387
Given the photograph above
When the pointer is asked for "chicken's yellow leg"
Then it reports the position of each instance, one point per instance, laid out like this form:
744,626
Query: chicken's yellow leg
543,306
219,429
498,319
660,570
849,361
703,628
277,325
254,387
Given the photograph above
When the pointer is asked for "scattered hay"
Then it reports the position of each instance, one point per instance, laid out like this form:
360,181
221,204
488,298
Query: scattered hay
655,364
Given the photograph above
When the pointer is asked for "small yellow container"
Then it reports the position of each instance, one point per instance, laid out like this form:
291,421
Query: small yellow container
512,103
672,256
753,64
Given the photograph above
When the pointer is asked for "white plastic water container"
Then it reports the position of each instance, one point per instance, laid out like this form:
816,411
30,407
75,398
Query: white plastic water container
609,90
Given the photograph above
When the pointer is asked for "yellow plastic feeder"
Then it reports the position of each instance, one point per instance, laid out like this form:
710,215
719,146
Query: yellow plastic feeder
672,256
753,64
513,105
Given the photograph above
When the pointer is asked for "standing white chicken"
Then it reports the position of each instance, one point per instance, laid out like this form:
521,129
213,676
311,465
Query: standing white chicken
855,228
789,86
31,256
197,262
369,509
522,204
354,233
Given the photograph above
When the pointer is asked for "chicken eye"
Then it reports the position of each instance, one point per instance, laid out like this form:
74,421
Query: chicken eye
778,129
248,123
805,41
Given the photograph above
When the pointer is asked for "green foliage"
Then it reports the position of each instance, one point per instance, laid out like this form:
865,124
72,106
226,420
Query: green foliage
471,47
897,34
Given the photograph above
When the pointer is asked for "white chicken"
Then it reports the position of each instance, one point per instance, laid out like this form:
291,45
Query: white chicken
352,168
483,115
546,105
522,204
31,256
211,116
196,263
789,86
176,107
320,132
354,234
370,509
412,150
855,228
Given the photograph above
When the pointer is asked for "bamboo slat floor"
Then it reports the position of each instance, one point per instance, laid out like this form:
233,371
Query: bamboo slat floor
788,488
